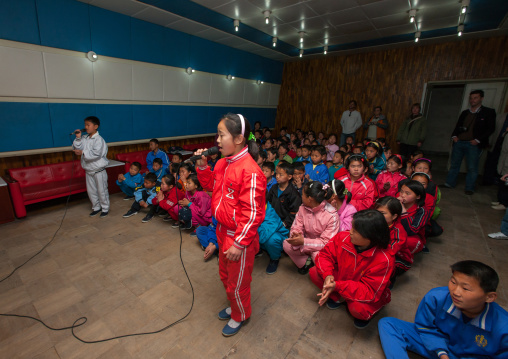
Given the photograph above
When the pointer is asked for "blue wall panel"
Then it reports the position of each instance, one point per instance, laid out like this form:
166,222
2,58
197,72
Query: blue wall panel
176,48
116,122
64,24
174,120
65,118
18,21
109,33
147,121
147,41
25,126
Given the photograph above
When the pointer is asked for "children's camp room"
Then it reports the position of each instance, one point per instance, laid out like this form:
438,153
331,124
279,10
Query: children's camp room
254,179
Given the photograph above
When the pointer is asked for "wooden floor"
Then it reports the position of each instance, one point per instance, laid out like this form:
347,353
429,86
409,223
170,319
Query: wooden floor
125,277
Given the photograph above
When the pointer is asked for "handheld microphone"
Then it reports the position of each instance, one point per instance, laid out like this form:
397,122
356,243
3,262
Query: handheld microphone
208,152
82,130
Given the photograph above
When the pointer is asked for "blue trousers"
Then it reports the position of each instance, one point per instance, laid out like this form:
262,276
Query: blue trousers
273,245
504,223
343,138
472,153
126,189
398,336
207,235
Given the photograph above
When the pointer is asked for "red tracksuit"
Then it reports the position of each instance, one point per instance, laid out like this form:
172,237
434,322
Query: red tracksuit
393,178
362,190
170,200
430,199
398,245
414,221
361,279
238,205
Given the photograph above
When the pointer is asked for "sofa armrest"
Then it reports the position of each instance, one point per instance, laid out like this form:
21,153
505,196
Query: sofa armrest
16,197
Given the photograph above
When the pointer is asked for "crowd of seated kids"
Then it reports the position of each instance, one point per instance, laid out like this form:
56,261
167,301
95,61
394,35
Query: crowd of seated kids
352,217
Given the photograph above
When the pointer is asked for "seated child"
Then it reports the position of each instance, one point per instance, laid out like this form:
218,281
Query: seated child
284,197
199,203
269,171
283,154
332,147
169,195
143,197
184,171
358,150
157,169
337,165
355,267
271,154
213,160
344,148
315,223
387,152
387,182
292,150
362,190
207,237
261,158
458,321
317,171
432,228
425,165
130,180
414,156
156,152
268,144
299,179
272,233
298,153
305,154
373,152
176,160
340,200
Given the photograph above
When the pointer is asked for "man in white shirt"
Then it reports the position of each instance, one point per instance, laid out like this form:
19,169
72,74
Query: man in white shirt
351,121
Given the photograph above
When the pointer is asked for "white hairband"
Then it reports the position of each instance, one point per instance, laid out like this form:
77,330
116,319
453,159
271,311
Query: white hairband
243,124
333,188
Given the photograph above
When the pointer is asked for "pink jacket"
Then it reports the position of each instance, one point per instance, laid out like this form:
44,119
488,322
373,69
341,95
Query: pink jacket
346,212
394,179
200,207
318,225
330,151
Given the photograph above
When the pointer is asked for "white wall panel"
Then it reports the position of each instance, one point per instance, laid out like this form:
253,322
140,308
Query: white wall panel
68,76
250,96
236,91
21,73
112,80
219,92
176,85
274,95
199,87
147,83
263,95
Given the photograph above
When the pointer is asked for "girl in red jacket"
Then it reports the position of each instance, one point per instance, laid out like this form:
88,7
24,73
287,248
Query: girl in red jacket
388,181
238,204
355,268
169,195
362,189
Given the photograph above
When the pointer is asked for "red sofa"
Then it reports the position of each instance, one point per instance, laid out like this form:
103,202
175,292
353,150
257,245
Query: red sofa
29,185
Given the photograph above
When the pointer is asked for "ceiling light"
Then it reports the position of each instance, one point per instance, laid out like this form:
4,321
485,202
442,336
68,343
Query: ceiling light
92,56
417,36
326,50
190,70
465,4
259,82
230,77
460,30
301,52
267,13
274,41
237,24
301,33
412,15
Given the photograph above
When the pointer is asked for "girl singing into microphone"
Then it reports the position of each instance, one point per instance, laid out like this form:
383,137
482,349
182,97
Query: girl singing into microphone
238,204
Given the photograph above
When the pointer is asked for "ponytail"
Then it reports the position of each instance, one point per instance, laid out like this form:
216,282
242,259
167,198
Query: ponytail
317,191
339,189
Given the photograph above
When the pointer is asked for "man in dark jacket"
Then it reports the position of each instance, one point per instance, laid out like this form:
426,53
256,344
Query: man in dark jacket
470,137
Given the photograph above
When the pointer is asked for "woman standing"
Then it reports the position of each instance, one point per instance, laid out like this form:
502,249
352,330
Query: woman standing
412,132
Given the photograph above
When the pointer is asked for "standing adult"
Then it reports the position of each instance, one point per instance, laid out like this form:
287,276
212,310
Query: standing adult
376,125
470,137
412,132
351,121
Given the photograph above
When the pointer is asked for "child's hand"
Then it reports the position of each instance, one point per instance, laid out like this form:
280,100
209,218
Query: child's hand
202,161
233,254
296,239
371,168
404,209
308,177
143,204
298,182
77,133
160,196
183,202
328,288
386,186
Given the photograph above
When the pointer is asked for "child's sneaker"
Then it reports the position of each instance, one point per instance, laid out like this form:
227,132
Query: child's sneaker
129,213
147,218
176,225
331,304
498,235
425,250
224,315
308,265
128,198
231,328
167,218
94,213
361,324
186,225
193,234
162,213
104,214
272,266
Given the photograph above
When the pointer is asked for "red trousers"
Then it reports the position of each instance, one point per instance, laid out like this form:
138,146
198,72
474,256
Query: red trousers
236,276
359,310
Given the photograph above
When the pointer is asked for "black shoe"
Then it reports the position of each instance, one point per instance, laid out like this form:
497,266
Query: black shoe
186,226
425,250
176,225
129,213
128,198
167,218
94,213
308,265
272,266
147,218
469,193
331,304
162,213
361,324
104,214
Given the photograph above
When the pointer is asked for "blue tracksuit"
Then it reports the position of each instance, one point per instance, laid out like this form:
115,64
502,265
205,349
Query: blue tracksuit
301,159
212,163
159,174
207,234
317,173
379,166
272,233
160,154
145,194
129,183
440,328
270,183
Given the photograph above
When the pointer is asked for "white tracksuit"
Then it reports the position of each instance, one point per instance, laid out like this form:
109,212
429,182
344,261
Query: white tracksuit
94,162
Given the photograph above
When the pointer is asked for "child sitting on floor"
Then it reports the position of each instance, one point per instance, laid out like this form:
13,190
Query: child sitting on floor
337,165
373,152
169,195
213,160
269,171
272,233
317,170
176,160
198,202
340,200
387,182
130,180
362,190
207,237
305,156
299,179
143,197
157,169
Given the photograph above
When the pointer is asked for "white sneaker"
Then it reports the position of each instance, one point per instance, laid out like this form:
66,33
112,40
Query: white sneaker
499,207
498,235
494,203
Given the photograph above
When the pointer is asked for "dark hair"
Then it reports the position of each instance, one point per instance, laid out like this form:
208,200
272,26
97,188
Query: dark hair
381,139
349,136
158,161
379,107
398,159
154,140
416,153
320,149
151,177
262,154
372,225
177,154
269,165
93,119
284,145
233,123
194,178
392,203
361,148
315,190
376,146
284,128
136,164
417,104
259,132
286,166
427,161
170,181
417,188
269,139
298,166
341,153
257,122
353,101
477,92
188,166
340,189
307,147
386,148
356,157
485,275
272,150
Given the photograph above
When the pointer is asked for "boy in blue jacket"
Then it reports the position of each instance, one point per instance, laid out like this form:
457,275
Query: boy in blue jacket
461,321
317,170
154,153
143,197
130,180
158,170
